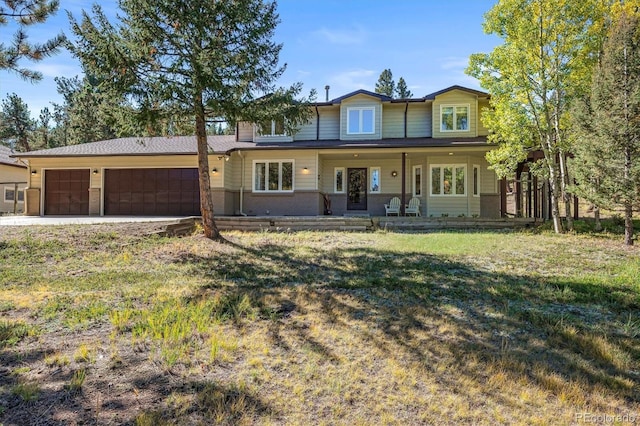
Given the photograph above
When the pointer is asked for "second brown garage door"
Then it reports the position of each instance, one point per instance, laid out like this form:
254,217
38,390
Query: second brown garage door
153,192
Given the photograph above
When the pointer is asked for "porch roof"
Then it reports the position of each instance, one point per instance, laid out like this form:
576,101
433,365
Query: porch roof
478,141
186,145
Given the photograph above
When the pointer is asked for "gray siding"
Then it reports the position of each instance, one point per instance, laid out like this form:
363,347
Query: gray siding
393,121
419,120
329,122
307,132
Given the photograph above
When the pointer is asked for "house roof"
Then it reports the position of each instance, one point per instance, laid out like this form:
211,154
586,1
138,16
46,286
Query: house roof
6,159
361,92
385,98
432,96
186,145
165,145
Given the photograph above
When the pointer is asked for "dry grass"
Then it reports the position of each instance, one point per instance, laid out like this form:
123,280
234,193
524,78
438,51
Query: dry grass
321,328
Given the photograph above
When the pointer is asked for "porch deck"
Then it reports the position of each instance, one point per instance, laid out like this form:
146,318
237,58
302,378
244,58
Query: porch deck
354,223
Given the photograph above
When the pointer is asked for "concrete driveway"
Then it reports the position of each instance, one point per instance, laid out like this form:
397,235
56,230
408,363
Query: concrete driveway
76,220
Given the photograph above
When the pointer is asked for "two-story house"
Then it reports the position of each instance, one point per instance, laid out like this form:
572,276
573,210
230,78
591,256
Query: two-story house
357,152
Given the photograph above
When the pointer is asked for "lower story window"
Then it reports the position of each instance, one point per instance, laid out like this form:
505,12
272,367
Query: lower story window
417,181
10,195
338,186
448,179
273,176
476,180
374,179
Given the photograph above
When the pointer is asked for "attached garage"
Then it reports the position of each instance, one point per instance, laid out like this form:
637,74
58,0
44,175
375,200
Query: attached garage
152,192
66,192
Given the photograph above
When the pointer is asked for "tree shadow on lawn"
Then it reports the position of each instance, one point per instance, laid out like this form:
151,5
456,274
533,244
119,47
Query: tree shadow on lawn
144,400
551,331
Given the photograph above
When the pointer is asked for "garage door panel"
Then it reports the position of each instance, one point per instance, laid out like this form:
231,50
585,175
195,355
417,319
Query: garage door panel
66,192
151,192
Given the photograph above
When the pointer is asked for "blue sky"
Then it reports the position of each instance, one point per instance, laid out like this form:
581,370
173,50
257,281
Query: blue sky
343,43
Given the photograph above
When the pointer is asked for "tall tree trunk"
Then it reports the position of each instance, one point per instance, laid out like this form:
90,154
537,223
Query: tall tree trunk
628,224
567,198
206,201
555,207
596,218
628,204
554,190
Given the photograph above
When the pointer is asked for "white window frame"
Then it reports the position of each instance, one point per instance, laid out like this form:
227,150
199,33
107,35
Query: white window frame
454,106
360,120
272,133
373,190
476,180
413,181
453,186
20,191
266,178
335,180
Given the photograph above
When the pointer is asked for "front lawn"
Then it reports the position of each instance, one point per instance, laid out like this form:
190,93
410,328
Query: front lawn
104,324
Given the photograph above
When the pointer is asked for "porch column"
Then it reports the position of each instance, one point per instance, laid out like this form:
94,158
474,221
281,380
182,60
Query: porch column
536,195
404,183
529,196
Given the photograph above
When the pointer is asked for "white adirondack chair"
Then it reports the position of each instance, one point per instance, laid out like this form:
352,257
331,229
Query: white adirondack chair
393,207
413,207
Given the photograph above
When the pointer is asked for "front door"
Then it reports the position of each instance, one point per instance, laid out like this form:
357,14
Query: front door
357,189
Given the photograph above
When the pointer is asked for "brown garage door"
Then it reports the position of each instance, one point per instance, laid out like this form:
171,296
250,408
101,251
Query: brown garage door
154,192
66,192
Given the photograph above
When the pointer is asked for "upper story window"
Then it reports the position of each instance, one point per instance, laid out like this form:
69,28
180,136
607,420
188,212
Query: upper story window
454,118
272,128
360,121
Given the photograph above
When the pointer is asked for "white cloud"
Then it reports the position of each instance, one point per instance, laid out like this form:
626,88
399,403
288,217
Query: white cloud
356,35
454,62
348,81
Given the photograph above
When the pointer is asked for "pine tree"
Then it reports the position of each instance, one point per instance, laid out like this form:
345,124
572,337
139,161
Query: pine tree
385,84
16,124
25,13
402,91
192,60
607,126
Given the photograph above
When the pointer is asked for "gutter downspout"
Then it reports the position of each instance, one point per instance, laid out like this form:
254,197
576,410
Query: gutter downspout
406,108
317,124
242,213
